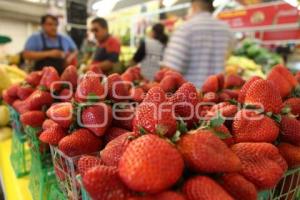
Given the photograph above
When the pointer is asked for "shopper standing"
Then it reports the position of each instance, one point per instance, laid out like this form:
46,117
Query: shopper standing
199,47
150,51
108,50
49,48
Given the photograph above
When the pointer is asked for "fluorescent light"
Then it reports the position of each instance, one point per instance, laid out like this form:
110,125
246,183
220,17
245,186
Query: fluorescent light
169,3
294,3
104,7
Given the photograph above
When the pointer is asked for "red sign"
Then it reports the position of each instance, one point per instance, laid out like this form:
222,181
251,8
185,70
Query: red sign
261,16
284,35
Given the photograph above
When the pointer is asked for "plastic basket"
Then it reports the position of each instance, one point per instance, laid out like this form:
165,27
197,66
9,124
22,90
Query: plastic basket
55,193
84,193
287,189
66,171
16,124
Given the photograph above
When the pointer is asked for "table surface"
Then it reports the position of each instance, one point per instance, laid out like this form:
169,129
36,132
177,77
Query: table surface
14,188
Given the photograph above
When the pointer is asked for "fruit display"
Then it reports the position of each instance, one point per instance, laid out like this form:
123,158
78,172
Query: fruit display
133,139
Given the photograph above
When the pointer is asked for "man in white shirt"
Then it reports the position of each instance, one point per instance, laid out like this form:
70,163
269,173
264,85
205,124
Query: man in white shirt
199,47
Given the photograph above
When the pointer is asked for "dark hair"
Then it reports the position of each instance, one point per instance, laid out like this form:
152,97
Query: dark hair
45,17
207,4
159,33
101,21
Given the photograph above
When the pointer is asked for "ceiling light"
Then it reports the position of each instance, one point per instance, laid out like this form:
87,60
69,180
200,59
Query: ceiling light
294,3
169,3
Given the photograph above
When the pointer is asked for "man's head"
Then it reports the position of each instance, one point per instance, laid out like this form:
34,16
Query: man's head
202,5
100,28
49,24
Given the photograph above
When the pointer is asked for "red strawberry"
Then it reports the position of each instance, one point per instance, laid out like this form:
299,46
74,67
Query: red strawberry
294,104
291,154
127,77
70,75
49,77
135,72
211,97
87,162
34,78
155,114
249,126
20,106
38,99
224,97
245,88
298,77
66,95
204,152
137,94
160,74
96,69
185,101
97,118
169,84
24,92
12,91
117,90
90,88
290,130
33,118
8,99
229,140
168,195
179,78
103,183
114,150
48,123
123,118
204,188
262,163
52,135
61,113
238,187
146,87
221,80
112,133
264,94
233,94
234,81
211,84
226,109
149,158
283,79
80,142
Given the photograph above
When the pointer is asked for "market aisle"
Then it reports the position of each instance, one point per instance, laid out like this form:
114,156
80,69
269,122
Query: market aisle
15,189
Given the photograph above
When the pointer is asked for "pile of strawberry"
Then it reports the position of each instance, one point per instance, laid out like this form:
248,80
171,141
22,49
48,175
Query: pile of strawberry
165,139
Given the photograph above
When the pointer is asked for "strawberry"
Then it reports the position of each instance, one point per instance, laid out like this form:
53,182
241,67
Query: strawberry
38,99
149,158
49,77
155,115
114,150
294,105
233,81
264,94
204,152
211,97
167,195
48,123
290,130
169,84
229,140
291,154
123,118
233,94
249,126
8,99
298,77
160,74
185,101
224,97
24,92
288,187
245,88
90,88
204,188
116,88
70,75
12,91
65,95
87,162
34,78
179,78
112,133
211,84
52,135
20,106
33,118
262,163
80,142
137,94
97,118
135,72
146,87
226,109
96,69
238,187
283,79
221,80
61,113
103,183
127,77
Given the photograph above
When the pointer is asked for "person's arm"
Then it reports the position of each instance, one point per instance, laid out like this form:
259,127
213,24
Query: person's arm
177,52
140,53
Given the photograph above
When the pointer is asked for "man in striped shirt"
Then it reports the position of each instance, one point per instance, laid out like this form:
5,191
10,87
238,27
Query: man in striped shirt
199,47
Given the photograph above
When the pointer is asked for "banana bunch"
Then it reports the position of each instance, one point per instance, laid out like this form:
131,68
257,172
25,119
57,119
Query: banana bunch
243,66
10,75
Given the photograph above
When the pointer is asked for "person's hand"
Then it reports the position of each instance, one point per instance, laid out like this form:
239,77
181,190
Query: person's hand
55,53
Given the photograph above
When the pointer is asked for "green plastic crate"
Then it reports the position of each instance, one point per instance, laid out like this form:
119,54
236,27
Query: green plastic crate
55,193
16,124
